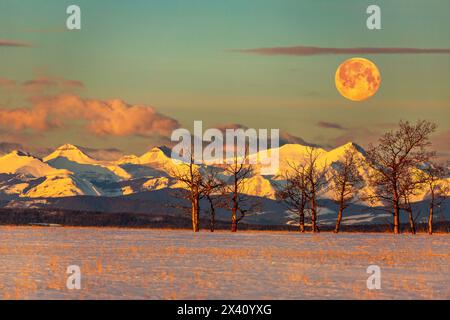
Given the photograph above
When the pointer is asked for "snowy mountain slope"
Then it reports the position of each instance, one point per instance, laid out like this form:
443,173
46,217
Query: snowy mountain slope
61,186
128,159
71,153
157,161
273,212
259,186
69,173
30,177
18,162
72,158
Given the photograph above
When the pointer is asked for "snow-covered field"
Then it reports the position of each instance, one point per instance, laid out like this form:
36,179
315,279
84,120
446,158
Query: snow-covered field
168,264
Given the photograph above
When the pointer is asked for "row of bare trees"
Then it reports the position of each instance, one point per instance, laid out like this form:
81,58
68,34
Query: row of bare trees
403,167
306,181
397,169
222,188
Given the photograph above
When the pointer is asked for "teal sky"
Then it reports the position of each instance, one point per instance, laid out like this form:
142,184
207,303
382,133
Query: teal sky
177,56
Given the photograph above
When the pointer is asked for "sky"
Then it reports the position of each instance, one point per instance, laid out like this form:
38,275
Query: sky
137,70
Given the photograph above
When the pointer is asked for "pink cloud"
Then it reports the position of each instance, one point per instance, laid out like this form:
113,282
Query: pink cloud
361,135
313,51
40,83
330,125
440,143
13,43
4,82
101,118
23,118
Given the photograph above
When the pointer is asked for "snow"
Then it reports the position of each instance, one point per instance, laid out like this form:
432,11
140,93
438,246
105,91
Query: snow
68,171
72,158
14,189
61,186
71,153
23,163
51,182
155,155
169,264
156,183
339,153
129,159
259,186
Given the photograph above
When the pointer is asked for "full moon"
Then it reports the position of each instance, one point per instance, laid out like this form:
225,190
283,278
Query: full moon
357,79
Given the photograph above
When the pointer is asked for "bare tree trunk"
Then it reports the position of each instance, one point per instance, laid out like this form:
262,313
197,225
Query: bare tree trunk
234,210
195,214
234,221
430,220
411,221
212,223
313,215
338,221
396,215
302,221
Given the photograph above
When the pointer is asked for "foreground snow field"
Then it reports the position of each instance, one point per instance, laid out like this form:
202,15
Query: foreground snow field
169,264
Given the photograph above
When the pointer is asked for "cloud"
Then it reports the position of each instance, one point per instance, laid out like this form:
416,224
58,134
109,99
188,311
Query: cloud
314,51
223,127
40,86
7,147
47,30
285,137
101,118
4,82
40,83
360,135
24,118
440,144
109,154
330,125
13,43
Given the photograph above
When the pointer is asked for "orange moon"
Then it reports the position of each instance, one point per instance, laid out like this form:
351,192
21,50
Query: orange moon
357,79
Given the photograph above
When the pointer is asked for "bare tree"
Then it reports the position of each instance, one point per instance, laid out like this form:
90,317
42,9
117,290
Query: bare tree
433,178
316,183
345,182
409,186
396,154
239,203
212,188
191,178
294,192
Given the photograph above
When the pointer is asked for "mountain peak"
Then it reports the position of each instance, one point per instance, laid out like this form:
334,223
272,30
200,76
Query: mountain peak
68,147
339,152
70,152
164,149
353,146
156,154
129,159
20,153
19,162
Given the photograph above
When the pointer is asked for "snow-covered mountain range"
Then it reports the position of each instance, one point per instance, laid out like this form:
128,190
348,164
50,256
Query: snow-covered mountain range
68,175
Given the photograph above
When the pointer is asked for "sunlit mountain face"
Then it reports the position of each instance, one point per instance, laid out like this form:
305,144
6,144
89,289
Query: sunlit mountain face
68,178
